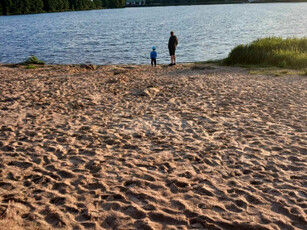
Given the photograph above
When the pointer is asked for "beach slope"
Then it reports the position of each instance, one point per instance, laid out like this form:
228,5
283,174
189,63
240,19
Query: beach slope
135,147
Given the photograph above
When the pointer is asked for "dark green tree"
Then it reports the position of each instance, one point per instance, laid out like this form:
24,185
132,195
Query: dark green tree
36,6
116,3
55,5
81,4
49,5
19,7
62,5
105,3
97,4
6,6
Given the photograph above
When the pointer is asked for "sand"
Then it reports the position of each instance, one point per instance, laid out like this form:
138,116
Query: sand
136,147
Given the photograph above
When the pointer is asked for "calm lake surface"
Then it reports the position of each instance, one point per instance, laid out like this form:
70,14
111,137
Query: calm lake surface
125,36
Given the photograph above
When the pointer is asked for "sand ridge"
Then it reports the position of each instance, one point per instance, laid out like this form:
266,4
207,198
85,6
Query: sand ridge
135,147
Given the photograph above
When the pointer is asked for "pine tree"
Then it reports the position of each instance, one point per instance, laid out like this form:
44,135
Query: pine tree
49,5
97,4
105,3
36,6
6,6
19,7
64,5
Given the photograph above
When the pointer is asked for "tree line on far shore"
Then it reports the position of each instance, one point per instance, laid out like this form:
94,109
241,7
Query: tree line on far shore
184,2
10,7
195,2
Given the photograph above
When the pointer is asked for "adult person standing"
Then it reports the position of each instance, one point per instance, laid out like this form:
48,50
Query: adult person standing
172,44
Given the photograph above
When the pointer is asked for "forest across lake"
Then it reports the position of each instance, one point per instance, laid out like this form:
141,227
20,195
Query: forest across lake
10,7
14,7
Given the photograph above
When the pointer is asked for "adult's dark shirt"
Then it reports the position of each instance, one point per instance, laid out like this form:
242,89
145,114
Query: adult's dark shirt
172,42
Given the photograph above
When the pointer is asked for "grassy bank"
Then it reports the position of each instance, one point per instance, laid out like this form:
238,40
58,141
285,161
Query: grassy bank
272,51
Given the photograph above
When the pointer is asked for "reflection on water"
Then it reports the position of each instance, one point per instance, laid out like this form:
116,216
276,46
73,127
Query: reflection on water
125,36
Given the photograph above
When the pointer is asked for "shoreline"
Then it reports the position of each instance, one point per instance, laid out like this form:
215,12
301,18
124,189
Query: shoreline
135,147
210,63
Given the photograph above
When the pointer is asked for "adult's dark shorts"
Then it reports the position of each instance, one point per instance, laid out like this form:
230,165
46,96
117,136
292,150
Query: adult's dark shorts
172,51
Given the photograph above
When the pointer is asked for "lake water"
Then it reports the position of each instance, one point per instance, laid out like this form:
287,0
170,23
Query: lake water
125,36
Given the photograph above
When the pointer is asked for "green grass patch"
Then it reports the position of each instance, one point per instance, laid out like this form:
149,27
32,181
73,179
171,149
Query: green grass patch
273,51
277,72
30,67
33,60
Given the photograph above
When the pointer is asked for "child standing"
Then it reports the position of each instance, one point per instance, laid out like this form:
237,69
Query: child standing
153,56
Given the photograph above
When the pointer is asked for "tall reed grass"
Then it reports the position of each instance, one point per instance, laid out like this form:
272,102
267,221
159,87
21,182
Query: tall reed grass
271,51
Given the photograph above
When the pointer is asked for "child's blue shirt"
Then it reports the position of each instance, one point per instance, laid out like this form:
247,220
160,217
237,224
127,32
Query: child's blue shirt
153,54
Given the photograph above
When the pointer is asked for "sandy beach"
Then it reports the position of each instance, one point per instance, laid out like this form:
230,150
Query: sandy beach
136,147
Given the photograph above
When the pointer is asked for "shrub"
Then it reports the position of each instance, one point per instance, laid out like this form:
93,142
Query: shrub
272,51
33,60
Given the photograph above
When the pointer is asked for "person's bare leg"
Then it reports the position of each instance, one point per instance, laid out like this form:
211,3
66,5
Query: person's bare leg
174,59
